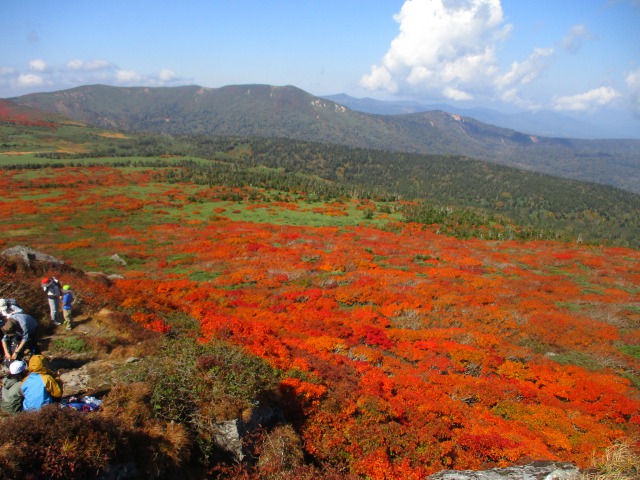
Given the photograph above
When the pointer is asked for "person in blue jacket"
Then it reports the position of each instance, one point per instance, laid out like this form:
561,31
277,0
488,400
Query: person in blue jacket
42,386
67,302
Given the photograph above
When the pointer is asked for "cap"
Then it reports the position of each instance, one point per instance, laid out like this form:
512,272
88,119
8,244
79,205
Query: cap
16,367
66,287
45,280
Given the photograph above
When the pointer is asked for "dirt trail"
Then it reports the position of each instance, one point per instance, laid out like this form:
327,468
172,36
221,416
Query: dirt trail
83,371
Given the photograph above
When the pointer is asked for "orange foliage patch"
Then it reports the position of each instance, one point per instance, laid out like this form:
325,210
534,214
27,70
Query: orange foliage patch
403,352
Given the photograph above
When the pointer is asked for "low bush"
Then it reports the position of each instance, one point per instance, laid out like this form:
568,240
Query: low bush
200,385
61,443
71,344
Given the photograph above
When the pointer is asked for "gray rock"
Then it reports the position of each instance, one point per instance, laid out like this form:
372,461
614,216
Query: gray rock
29,256
118,259
541,470
229,438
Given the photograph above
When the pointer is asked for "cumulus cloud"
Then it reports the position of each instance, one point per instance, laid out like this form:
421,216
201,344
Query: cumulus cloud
380,78
30,80
166,75
576,37
633,85
443,45
76,64
586,101
127,76
37,65
77,72
455,94
446,46
527,71
449,49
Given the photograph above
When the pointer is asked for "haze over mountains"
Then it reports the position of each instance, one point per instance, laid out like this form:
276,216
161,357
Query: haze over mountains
270,111
544,123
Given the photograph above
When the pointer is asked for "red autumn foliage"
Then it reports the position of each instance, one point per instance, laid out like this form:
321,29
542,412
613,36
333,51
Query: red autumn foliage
402,351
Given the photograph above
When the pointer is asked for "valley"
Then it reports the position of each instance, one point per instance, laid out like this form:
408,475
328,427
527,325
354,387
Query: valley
354,313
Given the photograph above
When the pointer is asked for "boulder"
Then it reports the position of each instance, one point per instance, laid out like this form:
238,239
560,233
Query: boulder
26,258
228,437
540,470
118,259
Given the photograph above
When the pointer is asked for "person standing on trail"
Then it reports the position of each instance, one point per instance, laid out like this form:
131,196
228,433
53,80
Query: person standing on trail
12,396
51,286
67,302
22,329
42,386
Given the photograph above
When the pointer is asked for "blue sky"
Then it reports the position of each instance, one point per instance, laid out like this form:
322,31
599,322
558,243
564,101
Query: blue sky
578,57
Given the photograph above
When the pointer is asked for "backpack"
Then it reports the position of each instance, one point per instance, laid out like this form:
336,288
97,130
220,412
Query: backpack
53,282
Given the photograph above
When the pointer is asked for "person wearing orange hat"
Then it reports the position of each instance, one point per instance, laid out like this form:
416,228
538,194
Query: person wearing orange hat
42,386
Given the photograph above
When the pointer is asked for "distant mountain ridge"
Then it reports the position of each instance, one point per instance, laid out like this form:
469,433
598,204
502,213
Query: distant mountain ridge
289,112
542,123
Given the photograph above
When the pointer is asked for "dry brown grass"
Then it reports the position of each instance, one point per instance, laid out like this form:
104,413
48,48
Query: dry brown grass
619,462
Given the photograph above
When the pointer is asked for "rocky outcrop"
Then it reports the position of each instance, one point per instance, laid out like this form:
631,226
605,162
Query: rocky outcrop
30,258
535,471
228,436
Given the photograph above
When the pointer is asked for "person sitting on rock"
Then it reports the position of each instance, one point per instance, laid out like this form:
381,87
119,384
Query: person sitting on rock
42,386
20,329
12,396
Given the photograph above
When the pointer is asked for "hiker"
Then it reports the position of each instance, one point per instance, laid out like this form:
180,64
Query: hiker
12,396
67,302
51,286
22,329
8,306
42,386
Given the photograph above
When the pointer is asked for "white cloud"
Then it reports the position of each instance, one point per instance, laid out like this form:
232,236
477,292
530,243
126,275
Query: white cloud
76,64
77,72
379,79
525,72
37,65
444,46
455,94
633,84
586,101
449,49
127,76
166,75
30,80
574,40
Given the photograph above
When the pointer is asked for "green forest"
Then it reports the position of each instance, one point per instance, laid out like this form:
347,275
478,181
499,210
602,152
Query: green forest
469,196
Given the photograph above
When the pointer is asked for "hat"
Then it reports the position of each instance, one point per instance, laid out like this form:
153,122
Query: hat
16,367
45,280
66,287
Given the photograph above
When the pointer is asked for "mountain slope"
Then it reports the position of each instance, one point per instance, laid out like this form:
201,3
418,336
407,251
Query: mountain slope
545,123
268,111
